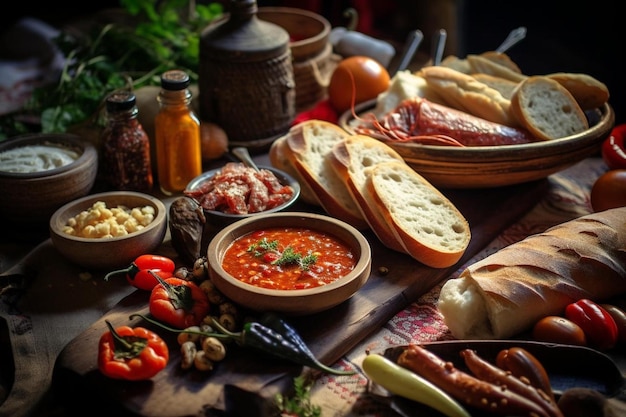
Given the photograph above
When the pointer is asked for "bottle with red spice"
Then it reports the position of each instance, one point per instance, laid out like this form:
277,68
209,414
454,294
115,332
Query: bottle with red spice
125,146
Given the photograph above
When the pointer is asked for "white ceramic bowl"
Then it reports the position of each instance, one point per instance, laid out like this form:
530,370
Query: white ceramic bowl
112,252
293,302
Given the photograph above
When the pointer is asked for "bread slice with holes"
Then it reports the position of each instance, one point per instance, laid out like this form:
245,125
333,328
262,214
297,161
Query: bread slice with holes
429,225
547,109
353,159
589,92
309,146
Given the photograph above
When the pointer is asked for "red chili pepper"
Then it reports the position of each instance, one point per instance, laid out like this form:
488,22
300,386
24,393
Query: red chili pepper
596,322
178,302
138,275
131,353
614,148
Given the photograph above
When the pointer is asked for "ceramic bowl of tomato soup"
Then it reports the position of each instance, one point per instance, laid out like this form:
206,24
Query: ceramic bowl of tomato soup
235,191
290,262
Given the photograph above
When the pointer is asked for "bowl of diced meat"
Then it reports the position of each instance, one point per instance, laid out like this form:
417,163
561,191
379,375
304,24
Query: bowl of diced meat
236,191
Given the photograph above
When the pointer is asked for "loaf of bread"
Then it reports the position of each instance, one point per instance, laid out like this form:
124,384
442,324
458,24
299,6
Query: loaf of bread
309,145
279,159
353,159
547,109
484,65
589,92
504,86
403,85
507,292
431,228
463,92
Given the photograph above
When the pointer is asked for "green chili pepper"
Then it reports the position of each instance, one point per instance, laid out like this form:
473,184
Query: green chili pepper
271,335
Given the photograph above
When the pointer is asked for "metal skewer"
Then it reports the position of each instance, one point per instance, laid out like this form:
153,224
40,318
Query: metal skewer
512,39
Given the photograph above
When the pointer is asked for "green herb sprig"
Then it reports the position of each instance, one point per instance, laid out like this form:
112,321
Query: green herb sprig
287,257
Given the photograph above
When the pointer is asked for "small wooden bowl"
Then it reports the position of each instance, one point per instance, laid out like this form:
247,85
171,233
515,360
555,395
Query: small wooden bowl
292,302
496,166
218,218
31,198
108,253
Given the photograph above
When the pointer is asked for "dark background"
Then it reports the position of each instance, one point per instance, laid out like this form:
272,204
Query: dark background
562,36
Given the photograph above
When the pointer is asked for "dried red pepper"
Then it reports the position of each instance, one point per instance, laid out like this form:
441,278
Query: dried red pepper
138,275
598,325
131,353
178,302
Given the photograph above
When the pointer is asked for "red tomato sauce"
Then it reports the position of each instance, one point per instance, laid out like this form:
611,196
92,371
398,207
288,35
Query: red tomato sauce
288,258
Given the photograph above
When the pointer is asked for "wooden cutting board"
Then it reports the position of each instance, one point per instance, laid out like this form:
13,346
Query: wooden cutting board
246,381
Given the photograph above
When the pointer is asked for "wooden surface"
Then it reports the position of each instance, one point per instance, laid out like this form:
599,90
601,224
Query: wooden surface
245,382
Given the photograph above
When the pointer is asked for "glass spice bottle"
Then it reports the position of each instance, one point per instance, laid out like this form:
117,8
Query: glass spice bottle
125,146
177,134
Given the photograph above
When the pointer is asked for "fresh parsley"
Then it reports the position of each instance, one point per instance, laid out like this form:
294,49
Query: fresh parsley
287,257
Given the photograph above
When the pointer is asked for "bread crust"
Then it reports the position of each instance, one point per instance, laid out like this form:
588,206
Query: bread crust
589,92
353,158
279,159
309,153
481,64
464,92
507,292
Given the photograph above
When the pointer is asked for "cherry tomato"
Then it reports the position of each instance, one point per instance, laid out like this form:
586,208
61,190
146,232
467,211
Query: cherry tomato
609,190
619,316
360,77
598,325
613,151
557,329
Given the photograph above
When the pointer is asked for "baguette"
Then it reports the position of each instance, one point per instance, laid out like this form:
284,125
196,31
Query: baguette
481,64
309,145
547,109
279,159
507,292
431,228
588,91
353,159
504,86
463,92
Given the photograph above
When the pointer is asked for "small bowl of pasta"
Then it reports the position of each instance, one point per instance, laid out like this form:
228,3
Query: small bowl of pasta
108,230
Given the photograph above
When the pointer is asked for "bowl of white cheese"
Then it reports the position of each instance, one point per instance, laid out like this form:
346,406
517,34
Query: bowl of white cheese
41,172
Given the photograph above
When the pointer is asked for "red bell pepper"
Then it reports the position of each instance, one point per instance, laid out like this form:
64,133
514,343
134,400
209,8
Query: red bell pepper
131,353
178,302
138,275
596,322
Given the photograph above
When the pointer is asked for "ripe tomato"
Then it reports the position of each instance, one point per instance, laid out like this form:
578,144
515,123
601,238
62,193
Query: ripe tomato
613,151
619,316
557,329
609,190
358,76
598,325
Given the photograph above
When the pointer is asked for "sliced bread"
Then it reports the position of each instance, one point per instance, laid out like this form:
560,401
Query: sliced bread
547,109
432,229
279,159
353,159
309,145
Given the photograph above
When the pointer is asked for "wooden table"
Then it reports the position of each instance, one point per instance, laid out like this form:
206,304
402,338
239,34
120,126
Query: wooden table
246,381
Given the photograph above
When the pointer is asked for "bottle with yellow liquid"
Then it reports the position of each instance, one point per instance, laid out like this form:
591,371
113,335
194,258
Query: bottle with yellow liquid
177,134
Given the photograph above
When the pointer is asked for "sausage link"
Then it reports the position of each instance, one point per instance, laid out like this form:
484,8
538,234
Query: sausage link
466,388
525,366
485,371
